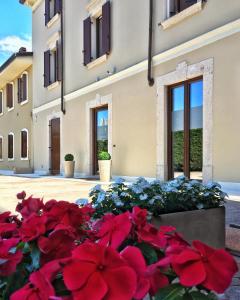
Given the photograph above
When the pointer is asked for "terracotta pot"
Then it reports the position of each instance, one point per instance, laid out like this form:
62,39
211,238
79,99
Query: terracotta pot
206,225
69,169
105,170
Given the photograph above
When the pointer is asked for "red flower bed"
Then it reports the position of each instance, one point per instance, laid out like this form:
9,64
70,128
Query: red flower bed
58,251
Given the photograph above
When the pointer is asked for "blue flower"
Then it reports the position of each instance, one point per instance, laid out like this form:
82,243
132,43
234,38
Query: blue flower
119,180
97,188
101,197
81,202
136,189
143,197
119,203
124,194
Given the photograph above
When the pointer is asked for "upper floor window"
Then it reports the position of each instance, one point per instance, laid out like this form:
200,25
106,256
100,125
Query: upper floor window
52,8
24,144
97,34
176,6
52,65
23,88
1,102
10,96
1,148
11,146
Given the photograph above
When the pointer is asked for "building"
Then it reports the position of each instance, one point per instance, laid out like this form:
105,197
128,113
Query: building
16,113
171,97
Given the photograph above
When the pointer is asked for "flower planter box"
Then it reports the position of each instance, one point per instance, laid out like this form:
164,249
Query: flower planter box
207,225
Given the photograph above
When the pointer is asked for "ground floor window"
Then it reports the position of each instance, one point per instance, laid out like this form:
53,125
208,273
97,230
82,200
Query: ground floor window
100,133
24,144
11,146
185,129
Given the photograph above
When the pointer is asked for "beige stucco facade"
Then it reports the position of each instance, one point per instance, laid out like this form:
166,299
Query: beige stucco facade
15,120
135,130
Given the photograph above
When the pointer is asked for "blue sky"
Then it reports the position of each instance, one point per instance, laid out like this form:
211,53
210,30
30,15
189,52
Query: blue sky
15,28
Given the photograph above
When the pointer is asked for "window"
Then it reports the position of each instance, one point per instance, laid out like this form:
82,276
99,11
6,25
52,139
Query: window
176,6
10,96
11,146
52,8
97,35
24,144
1,102
1,148
23,88
185,129
52,65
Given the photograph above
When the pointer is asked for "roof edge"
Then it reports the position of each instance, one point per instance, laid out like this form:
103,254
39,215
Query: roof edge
13,57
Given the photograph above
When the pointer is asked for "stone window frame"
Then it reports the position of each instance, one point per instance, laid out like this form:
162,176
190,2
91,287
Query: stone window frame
185,72
90,105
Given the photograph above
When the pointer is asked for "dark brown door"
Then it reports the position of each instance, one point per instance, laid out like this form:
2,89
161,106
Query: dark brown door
100,134
55,146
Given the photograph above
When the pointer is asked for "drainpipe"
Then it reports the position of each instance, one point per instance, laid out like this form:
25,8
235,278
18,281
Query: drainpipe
150,78
62,64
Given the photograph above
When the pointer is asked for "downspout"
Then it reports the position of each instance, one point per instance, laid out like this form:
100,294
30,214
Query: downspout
62,64
150,37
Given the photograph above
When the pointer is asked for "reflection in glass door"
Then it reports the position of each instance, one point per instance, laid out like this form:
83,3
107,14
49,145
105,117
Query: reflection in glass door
185,129
100,134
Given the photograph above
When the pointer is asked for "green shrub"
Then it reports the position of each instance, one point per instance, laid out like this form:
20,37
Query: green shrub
180,194
103,155
69,157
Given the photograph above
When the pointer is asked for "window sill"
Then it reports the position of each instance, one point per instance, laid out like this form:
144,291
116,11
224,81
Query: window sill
53,20
183,15
94,7
97,61
53,85
10,159
25,158
1,160
24,102
10,109
1,114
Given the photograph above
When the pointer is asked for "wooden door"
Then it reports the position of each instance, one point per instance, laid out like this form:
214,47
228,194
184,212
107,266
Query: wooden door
55,146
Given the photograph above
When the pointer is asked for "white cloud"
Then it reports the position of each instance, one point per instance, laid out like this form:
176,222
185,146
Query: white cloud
11,44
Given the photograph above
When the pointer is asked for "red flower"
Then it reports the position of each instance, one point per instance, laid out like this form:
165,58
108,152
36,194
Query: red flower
114,229
151,235
133,257
156,278
29,206
21,196
4,217
9,256
98,272
204,265
32,228
62,240
38,288
139,216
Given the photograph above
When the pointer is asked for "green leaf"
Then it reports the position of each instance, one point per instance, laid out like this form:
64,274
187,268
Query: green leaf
35,256
197,295
149,253
171,292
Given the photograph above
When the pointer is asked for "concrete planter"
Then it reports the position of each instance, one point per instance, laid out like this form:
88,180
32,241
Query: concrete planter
207,225
105,170
69,169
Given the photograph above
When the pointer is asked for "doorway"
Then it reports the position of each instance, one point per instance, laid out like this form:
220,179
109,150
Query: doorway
100,134
55,146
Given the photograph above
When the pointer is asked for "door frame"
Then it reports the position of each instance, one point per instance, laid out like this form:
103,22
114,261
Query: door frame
54,115
186,143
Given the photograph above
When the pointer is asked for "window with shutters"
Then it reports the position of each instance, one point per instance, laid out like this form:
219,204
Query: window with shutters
179,10
10,146
10,96
53,9
1,148
23,89
97,35
24,144
1,102
52,65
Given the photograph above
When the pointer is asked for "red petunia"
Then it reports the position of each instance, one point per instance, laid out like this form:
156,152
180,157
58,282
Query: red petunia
98,272
32,228
38,288
29,206
9,256
214,269
62,240
114,229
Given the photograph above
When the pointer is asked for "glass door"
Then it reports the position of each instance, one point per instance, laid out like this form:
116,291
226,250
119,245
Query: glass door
100,134
185,129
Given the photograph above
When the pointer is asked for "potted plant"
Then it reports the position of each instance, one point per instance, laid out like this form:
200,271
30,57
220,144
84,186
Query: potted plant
69,165
104,163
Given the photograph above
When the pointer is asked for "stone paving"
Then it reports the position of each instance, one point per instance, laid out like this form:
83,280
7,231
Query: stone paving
72,189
